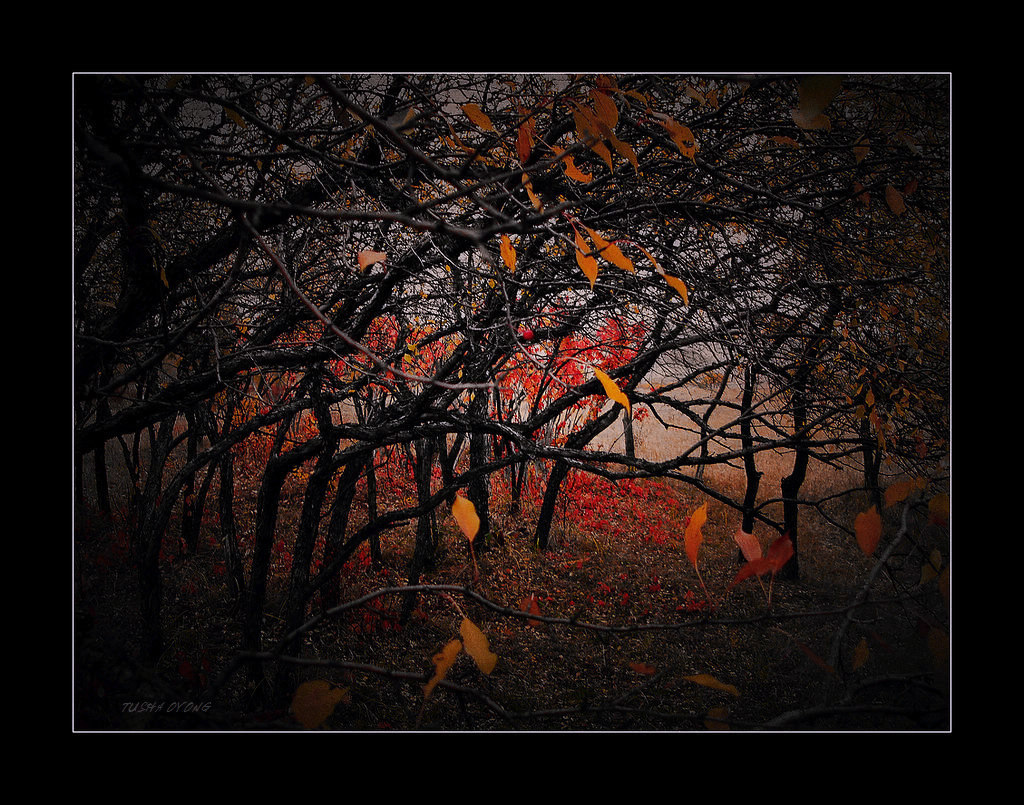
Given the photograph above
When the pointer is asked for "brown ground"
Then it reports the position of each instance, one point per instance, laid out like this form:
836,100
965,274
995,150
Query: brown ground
771,660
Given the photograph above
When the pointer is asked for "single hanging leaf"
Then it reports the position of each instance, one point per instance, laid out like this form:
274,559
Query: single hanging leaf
587,263
680,134
477,116
868,526
680,287
894,199
609,251
314,702
611,390
465,515
508,253
477,646
693,536
443,660
749,546
368,258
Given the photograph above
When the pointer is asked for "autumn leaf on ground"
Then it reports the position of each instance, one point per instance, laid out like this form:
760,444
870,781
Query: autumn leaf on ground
530,605
612,390
868,526
314,702
717,718
708,681
643,668
465,515
477,646
508,253
368,258
693,536
443,660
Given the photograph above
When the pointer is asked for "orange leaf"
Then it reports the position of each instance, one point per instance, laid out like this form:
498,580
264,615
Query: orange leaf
477,646
477,116
868,526
587,263
894,199
465,515
529,604
680,287
508,253
443,660
609,251
693,536
709,681
643,668
368,258
816,92
314,702
779,552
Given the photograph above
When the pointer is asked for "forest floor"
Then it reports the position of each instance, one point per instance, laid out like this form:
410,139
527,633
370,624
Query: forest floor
642,639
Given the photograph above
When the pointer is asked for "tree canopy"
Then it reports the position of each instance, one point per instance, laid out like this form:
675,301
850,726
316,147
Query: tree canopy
487,273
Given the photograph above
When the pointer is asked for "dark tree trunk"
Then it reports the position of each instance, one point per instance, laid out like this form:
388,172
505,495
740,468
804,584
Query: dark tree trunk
330,589
229,538
425,550
753,476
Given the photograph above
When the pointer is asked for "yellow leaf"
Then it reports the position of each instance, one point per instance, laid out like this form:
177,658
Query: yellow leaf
508,253
443,660
477,646
693,536
587,263
611,389
534,198
868,526
465,515
609,251
650,257
709,681
477,116
368,258
314,702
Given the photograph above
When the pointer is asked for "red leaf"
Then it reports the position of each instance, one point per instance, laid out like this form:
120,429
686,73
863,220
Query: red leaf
779,552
